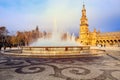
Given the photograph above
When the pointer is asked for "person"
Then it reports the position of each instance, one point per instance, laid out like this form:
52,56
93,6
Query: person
1,46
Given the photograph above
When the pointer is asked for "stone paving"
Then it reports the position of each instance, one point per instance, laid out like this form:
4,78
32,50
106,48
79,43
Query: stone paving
106,67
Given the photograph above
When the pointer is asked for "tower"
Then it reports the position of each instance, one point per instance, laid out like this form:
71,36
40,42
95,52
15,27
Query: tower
84,31
37,32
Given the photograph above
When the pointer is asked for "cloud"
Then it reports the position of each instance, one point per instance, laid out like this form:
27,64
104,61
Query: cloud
26,14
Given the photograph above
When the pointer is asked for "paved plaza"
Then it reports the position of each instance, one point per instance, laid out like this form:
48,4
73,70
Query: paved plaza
105,67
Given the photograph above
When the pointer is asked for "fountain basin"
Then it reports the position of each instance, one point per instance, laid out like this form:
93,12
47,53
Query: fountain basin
55,50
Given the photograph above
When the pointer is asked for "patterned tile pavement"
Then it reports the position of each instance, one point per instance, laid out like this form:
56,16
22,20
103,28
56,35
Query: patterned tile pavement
106,67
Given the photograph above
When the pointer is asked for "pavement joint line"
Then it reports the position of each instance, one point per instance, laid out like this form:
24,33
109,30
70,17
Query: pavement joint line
113,57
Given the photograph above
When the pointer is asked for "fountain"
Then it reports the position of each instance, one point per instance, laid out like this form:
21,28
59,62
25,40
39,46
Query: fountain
55,46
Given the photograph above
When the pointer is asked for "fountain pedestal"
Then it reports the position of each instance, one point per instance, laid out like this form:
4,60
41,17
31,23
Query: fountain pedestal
56,50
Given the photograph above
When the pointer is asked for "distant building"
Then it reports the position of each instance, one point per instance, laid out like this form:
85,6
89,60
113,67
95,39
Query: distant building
95,38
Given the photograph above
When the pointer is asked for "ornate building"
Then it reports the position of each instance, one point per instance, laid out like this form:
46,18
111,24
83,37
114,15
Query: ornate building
94,38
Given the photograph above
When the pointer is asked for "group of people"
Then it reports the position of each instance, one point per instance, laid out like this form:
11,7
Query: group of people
5,45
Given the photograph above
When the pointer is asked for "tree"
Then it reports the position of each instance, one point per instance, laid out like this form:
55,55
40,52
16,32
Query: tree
13,40
3,34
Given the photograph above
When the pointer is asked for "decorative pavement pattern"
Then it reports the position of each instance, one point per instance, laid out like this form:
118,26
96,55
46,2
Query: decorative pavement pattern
84,68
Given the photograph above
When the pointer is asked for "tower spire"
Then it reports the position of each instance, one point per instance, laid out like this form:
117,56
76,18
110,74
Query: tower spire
83,4
84,20
84,29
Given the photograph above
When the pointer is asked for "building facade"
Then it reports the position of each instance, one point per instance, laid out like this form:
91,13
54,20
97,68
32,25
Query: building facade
95,38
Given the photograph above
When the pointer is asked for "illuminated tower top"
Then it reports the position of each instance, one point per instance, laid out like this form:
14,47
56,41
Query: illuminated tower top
84,20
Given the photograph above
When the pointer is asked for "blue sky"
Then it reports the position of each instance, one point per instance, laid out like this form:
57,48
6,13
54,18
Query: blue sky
26,14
